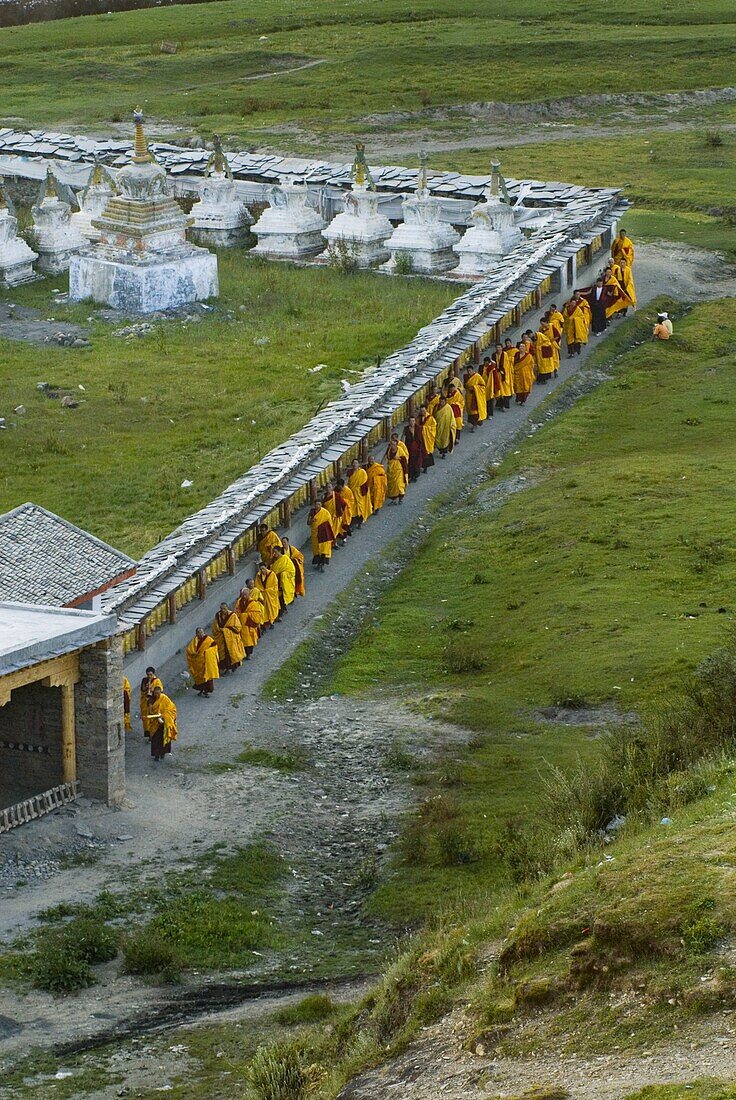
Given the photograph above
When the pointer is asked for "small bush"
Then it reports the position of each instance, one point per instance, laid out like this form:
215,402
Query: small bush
343,256
403,263
714,139
310,1010
399,759
454,846
276,1073
144,954
57,968
91,940
464,655
702,930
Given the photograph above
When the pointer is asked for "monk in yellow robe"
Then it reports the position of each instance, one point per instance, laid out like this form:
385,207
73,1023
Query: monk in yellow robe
300,587
267,540
149,683
323,536
623,246
162,713
432,401
556,323
126,703
396,473
575,325
617,299
226,632
544,354
428,429
523,371
283,567
456,398
627,281
376,483
267,584
351,506
358,483
202,661
250,611
475,398
329,501
446,430
506,373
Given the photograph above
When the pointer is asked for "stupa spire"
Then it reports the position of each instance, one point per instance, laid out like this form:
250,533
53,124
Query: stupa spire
141,154
51,191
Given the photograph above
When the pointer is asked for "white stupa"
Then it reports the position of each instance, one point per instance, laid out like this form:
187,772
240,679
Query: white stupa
289,229
422,238
16,258
494,231
143,261
360,230
221,219
92,201
57,240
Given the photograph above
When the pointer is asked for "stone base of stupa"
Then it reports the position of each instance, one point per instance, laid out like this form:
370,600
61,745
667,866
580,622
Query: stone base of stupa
218,236
144,287
17,272
81,220
481,249
56,262
286,245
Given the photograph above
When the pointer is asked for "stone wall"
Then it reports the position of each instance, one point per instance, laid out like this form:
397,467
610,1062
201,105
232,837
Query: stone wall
30,739
98,703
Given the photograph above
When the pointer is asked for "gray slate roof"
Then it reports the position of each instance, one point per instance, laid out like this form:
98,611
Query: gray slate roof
29,634
44,559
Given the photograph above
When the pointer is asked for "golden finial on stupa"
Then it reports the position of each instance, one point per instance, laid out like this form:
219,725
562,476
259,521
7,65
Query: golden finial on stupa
3,200
141,154
51,191
96,176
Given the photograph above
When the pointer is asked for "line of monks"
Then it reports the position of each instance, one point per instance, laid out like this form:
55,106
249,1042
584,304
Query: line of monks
350,501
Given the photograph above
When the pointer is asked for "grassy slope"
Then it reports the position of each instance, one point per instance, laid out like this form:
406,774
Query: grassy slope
603,581
381,55
190,392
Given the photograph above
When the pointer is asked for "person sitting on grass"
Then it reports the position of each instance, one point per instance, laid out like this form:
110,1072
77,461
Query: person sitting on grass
662,330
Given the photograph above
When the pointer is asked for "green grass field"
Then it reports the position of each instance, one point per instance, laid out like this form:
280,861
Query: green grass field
377,56
199,401
605,581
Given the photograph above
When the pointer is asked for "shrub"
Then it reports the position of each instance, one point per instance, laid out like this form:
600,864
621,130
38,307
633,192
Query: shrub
454,846
343,256
464,655
91,940
276,1073
145,954
403,263
714,139
310,1010
58,968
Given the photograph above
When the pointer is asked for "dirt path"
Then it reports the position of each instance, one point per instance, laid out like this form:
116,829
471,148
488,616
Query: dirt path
330,820
436,1065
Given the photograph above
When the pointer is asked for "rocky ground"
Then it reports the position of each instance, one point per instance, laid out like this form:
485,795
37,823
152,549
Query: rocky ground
333,820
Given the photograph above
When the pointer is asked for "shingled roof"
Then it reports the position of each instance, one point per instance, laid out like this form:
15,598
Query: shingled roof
44,559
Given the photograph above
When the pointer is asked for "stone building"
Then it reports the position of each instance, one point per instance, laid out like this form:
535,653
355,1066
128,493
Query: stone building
61,709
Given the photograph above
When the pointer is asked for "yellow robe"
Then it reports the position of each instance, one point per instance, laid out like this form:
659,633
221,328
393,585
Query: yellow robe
229,642
285,572
268,586
402,451
149,727
297,557
475,391
321,548
432,403
557,324
358,483
507,378
523,372
446,429
627,278
429,434
267,544
620,298
126,703
376,485
544,354
165,709
251,618
623,247
396,478
576,326
457,401
202,660
331,505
